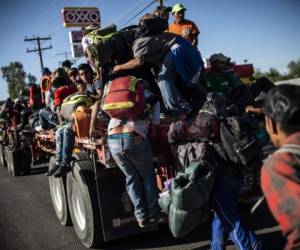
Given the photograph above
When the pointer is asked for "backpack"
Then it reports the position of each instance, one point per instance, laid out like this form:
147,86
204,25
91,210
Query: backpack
34,96
210,116
124,98
151,24
71,103
45,86
289,148
108,44
82,120
215,104
239,142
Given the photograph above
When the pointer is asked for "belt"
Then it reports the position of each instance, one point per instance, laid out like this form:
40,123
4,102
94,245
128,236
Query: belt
120,130
134,137
120,136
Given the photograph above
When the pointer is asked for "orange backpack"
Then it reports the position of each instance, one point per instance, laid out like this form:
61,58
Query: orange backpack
45,86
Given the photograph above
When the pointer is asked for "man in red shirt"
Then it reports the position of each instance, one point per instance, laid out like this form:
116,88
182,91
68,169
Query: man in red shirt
280,175
183,27
50,116
60,93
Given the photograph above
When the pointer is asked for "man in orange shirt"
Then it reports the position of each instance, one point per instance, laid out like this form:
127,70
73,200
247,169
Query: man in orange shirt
182,26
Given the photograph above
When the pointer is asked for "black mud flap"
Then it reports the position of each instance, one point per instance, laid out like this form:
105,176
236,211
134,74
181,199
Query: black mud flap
116,209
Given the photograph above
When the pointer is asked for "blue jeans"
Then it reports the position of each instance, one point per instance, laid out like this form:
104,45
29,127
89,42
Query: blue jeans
133,155
64,144
173,100
226,220
47,119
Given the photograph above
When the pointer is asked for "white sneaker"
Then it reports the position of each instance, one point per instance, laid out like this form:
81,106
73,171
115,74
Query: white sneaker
38,128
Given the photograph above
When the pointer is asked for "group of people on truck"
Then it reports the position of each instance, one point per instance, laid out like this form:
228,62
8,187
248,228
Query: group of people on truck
162,69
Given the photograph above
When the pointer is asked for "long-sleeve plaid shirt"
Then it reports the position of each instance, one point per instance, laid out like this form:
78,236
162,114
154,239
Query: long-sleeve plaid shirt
280,182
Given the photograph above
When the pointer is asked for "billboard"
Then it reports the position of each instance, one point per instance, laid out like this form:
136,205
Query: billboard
80,16
77,50
75,36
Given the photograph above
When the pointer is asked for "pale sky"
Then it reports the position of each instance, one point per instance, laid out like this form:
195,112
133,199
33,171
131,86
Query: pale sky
265,32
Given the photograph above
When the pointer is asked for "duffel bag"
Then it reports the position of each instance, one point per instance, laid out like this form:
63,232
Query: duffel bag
183,222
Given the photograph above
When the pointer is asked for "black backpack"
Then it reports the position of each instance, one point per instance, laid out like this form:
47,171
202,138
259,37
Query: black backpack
239,142
151,24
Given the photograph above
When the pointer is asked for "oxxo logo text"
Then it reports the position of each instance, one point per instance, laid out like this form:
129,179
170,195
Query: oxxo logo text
80,17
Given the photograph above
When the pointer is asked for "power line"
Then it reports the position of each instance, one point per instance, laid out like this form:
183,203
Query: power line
141,11
122,17
64,54
39,49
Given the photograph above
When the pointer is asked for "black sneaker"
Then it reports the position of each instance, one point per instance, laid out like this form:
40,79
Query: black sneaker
142,222
52,170
61,171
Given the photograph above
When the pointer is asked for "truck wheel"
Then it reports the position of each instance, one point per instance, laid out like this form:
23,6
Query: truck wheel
59,196
15,169
81,156
2,156
8,160
83,203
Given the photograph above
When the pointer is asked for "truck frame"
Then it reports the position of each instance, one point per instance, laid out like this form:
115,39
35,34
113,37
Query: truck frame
92,195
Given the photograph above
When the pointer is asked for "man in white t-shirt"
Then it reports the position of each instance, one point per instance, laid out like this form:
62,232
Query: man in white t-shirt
132,152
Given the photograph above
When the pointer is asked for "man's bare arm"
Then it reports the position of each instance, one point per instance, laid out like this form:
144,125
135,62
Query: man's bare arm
134,63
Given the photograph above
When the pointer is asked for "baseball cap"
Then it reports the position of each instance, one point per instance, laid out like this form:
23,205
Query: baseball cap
46,71
67,63
178,7
282,104
162,8
219,57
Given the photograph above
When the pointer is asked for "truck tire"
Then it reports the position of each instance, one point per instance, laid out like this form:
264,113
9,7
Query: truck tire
81,156
59,196
15,163
83,203
2,156
8,160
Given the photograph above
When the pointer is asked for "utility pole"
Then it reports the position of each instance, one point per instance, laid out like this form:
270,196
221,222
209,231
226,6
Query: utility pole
39,49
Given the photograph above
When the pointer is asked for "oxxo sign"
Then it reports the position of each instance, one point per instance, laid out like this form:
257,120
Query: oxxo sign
80,16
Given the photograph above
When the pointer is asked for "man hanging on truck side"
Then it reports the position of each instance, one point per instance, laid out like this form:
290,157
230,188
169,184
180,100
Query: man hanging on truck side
170,54
128,132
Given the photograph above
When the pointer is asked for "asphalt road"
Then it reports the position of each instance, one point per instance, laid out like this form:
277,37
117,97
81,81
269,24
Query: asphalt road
28,221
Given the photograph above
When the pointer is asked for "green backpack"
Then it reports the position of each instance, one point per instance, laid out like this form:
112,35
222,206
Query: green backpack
108,44
71,103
